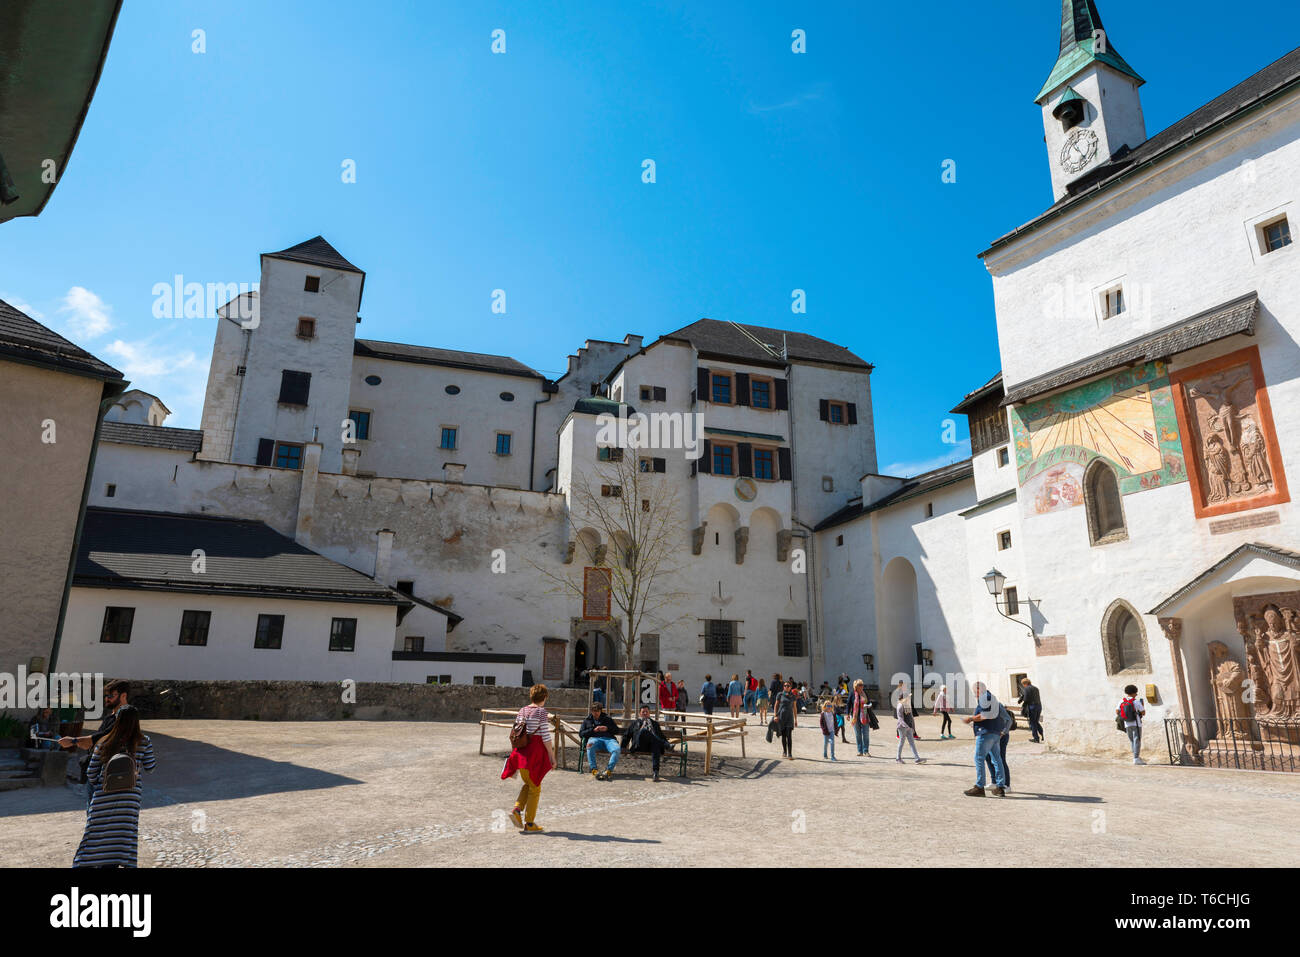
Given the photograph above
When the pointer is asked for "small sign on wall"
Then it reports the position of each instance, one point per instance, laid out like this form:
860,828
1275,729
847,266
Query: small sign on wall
1045,645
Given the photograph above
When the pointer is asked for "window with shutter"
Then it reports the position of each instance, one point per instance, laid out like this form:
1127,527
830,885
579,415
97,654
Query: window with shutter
742,388
702,384
661,465
824,409
661,394
782,394
265,451
706,460
744,460
853,413
295,387
764,466
783,462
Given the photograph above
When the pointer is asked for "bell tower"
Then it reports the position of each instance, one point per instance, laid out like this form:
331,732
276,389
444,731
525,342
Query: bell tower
1090,102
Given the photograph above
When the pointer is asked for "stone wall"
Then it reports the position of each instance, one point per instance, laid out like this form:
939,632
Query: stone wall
322,700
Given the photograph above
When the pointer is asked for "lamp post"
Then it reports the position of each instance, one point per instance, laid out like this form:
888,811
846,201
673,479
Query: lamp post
994,581
867,661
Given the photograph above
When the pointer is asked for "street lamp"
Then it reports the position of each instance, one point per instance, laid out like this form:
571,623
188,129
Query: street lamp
867,660
994,581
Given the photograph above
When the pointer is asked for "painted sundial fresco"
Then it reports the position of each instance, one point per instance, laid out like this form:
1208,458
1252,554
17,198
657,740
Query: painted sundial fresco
1127,419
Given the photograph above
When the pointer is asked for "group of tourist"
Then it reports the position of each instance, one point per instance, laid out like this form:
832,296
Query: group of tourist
533,752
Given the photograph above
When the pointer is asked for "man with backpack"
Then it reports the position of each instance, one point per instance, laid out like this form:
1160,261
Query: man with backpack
988,739
1008,721
1128,718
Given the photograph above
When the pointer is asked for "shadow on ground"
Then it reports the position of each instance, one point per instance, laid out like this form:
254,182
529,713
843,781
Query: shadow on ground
189,771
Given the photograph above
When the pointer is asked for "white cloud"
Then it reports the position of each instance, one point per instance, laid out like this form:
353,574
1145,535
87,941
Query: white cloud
88,315
142,360
912,468
25,307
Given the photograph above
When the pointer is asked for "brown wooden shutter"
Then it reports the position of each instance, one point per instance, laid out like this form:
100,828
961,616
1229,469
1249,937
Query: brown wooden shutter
295,387
853,414
745,453
265,451
702,385
782,394
824,409
706,460
742,388
783,462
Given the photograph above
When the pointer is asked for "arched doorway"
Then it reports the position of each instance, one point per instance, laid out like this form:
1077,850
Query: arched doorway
900,628
580,665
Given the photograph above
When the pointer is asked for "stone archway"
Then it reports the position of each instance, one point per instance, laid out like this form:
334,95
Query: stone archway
900,626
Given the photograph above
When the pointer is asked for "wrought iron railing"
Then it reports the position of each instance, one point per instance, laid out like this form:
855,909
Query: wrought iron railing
1236,743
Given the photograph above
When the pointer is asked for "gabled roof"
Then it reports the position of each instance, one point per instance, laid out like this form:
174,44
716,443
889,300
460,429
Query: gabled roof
1276,79
428,355
993,386
912,488
317,252
724,340
1229,319
122,548
153,436
25,339
1080,22
1283,556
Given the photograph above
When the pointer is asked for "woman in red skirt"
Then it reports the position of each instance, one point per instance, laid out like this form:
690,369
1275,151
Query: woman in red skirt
533,760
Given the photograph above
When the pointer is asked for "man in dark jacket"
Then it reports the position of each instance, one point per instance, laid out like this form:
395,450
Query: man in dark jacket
644,734
1032,703
600,732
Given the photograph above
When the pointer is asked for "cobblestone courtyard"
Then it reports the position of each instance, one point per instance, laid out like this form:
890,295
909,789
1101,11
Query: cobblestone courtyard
232,793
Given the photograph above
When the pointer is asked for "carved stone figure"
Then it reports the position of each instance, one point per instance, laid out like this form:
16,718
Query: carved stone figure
1277,647
1228,678
1227,434
1254,451
1217,467
1258,680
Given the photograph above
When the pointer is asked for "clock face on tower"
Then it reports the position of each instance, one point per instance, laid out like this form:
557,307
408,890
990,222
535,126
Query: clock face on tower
1079,150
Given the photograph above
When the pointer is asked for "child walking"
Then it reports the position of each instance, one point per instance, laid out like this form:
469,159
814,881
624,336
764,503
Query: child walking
828,729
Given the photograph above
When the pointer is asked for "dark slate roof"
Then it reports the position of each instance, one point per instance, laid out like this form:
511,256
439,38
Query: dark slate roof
715,339
911,488
154,550
22,337
1283,556
317,252
400,352
994,385
1275,79
154,436
1229,319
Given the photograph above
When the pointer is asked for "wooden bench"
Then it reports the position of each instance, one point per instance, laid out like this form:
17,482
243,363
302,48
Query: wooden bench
680,748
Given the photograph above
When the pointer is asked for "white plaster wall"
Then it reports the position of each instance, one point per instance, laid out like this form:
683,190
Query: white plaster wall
844,452
154,650
990,478
135,470
410,407
221,400
274,346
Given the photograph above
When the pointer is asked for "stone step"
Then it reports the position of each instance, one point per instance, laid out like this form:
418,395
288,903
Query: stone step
16,783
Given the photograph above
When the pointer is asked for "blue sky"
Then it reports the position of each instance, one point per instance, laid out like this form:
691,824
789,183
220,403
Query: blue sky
522,171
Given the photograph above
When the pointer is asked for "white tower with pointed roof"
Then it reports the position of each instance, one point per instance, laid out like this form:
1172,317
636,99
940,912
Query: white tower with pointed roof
1091,106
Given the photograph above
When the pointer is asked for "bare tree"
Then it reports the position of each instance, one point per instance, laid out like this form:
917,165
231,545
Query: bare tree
642,550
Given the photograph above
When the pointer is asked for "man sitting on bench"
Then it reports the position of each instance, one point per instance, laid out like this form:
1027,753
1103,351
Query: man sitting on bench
644,734
599,729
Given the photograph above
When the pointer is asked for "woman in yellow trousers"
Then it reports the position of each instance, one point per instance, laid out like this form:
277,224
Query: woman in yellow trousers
532,761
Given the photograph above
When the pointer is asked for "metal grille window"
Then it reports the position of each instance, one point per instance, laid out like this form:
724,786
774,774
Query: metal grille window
343,634
792,640
270,631
485,679
117,625
194,627
720,637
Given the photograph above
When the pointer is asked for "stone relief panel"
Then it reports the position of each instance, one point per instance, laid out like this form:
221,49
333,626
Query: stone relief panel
1270,629
1127,419
1227,427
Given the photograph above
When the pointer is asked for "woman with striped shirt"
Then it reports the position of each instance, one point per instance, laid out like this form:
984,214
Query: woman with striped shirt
112,835
532,761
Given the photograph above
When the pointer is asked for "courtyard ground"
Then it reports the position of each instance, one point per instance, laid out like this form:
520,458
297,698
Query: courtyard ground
242,793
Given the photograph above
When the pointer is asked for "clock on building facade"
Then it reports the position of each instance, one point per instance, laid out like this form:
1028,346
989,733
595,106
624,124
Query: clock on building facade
1079,150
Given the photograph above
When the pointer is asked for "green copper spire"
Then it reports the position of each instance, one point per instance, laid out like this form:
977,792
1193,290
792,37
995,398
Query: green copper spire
1082,45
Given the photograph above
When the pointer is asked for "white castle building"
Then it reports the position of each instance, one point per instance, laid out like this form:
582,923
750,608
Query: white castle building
1128,478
